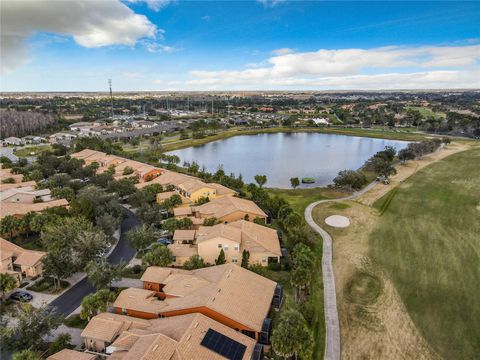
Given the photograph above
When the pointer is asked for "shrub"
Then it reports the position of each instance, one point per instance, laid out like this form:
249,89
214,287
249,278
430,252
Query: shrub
275,266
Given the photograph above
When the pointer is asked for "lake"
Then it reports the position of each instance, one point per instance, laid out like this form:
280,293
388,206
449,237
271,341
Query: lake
282,156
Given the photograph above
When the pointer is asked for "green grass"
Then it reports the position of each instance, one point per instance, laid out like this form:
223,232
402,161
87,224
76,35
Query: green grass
300,198
339,206
74,321
384,202
426,112
428,242
32,150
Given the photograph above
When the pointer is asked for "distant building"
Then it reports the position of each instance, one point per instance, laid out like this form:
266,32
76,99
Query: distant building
13,141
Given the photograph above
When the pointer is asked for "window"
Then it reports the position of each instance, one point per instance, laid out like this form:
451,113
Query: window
234,259
264,259
225,247
124,311
219,245
235,247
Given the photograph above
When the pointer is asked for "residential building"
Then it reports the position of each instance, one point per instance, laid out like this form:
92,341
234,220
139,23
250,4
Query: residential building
67,354
261,242
233,296
25,195
225,209
189,336
13,141
20,209
19,262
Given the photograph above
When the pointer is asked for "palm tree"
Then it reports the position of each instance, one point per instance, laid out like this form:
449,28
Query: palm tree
7,283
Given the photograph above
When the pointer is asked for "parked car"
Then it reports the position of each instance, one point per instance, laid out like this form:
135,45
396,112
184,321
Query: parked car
164,241
22,296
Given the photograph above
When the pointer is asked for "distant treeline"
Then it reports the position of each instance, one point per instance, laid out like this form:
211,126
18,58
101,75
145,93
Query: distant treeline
22,123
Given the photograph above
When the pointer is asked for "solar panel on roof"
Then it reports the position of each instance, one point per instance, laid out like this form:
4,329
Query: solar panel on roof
223,345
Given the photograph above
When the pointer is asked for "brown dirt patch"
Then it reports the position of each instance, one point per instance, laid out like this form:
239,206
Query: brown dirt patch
373,320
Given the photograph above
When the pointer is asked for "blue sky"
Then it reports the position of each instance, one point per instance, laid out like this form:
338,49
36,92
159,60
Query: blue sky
177,45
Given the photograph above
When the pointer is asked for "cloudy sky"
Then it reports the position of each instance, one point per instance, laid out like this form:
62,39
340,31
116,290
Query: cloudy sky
76,45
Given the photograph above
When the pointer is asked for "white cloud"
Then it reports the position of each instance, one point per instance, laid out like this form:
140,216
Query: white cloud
154,47
382,68
155,5
206,18
270,3
90,23
283,51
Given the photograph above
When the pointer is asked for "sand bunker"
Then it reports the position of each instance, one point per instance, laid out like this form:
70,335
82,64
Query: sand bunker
338,221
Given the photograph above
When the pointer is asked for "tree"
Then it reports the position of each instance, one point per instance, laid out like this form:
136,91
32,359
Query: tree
194,262
7,283
210,221
295,182
61,342
245,258
297,235
59,265
101,273
63,193
383,167
107,223
159,255
221,258
31,326
302,271
128,170
261,180
350,179
291,220
95,303
291,336
123,187
26,355
10,225
406,154
141,236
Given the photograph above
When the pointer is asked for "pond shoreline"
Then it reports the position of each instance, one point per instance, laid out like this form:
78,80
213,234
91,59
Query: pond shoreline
368,133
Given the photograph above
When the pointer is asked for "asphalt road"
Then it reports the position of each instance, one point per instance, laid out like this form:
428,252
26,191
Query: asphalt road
72,298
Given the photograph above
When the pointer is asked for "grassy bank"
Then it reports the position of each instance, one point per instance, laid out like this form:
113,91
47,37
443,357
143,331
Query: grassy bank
300,198
428,242
404,134
32,150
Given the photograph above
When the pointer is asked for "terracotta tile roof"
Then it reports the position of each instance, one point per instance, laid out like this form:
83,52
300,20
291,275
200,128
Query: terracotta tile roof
222,190
205,233
223,206
180,235
22,209
228,289
177,337
4,187
67,354
183,250
85,153
106,326
258,238
182,211
29,258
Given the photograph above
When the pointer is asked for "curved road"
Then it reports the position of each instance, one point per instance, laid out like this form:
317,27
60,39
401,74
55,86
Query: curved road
71,299
332,324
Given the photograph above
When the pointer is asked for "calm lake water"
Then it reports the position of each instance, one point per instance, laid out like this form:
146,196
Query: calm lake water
282,156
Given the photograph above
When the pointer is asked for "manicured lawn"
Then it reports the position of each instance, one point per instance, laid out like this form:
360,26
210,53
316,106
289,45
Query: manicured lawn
428,241
45,285
32,150
300,198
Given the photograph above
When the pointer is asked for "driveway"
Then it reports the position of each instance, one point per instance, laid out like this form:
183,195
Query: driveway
332,324
72,298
